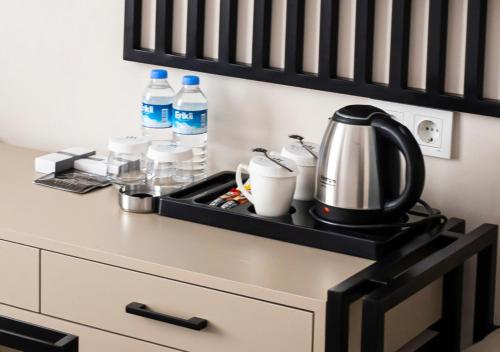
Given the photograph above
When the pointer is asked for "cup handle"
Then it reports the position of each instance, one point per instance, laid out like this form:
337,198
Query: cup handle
239,182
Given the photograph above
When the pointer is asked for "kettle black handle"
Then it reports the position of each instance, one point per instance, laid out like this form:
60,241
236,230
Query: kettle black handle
415,168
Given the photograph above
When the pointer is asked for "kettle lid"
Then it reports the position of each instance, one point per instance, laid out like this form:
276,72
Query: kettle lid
357,114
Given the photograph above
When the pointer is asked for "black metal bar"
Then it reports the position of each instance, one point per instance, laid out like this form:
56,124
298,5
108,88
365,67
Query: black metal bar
142,310
363,53
399,260
421,275
475,49
337,313
164,26
328,39
227,30
341,296
294,35
337,322
133,22
373,314
436,45
261,43
451,321
426,252
400,43
410,261
195,29
485,292
436,265
27,337
373,327
455,225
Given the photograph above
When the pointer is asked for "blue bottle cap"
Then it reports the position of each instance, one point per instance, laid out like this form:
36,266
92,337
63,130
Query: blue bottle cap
159,74
191,80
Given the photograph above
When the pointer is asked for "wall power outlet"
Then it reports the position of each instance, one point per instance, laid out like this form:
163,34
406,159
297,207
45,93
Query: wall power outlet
432,128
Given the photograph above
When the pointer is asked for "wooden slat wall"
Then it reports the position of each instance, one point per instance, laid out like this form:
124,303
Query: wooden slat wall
164,27
227,30
261,48
294,36
328,37
474,54
363,53
195,28
400,44
436,46
326,79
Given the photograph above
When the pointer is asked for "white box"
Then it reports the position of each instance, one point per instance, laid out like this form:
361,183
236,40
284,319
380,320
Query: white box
61,161
96,165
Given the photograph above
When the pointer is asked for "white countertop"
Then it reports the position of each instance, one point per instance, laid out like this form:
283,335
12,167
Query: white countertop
93,227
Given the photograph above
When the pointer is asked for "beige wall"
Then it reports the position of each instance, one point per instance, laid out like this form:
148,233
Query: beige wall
63,83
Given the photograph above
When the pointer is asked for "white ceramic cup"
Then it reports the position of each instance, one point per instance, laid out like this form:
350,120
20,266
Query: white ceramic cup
272,185
306,163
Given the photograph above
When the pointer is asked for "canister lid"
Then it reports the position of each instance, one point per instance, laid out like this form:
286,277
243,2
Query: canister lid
169,153
298,153
129,144
261,165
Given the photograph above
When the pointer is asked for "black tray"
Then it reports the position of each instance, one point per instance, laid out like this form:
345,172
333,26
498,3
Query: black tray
298,227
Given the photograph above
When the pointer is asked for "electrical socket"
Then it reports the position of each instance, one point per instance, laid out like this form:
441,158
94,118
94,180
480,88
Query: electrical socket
428,131
432,128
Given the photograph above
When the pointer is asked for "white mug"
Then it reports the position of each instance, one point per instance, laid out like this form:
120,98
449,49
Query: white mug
272,185
306,161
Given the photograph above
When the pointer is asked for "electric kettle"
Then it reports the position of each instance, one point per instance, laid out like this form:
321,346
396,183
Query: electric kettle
358,177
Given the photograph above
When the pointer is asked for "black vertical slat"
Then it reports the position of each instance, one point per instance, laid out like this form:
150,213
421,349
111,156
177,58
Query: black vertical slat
164,26
195,29
337,322
133,23
227,30
400,43
436,45
372,325
484,307
328,39
475,50
261,41
363,53
451,321
294,36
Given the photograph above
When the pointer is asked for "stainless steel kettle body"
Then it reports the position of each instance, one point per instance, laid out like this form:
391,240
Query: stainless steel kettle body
358,175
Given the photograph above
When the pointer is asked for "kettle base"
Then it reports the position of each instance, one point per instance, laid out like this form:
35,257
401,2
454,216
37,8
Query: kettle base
355,216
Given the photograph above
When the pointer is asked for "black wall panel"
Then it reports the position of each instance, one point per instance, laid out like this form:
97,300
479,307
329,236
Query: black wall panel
472,101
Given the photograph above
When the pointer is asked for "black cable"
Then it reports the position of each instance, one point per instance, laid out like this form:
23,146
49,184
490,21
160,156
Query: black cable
432,216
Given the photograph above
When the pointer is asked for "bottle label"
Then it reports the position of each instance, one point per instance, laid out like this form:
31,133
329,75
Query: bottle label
190,122
156,116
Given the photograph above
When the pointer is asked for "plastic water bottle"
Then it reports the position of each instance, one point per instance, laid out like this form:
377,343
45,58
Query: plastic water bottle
190,124
157,108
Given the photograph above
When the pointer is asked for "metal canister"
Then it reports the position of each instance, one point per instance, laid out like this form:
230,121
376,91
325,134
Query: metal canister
139,198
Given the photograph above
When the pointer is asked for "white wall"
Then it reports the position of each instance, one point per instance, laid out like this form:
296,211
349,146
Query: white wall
63,83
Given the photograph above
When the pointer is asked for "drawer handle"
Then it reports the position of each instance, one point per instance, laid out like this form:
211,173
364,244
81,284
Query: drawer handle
24,336
143,311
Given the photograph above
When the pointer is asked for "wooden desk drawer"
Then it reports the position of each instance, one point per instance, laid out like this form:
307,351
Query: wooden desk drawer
89,339
19,275
96,294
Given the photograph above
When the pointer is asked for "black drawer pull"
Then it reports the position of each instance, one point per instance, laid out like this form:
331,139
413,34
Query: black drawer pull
27,337
143,311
